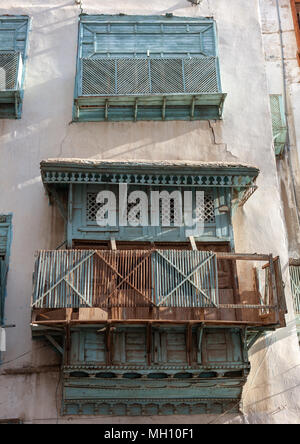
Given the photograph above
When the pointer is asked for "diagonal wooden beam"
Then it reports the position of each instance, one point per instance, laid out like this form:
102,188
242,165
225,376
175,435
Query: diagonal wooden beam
63,278
186,278
55,344
125,279
77,292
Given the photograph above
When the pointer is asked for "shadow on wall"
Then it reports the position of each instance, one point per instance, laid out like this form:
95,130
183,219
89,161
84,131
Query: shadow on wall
273,338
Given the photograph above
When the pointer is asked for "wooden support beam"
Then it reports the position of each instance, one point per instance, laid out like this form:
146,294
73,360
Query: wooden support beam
108,341
70,217
163,112
55,344
274,289
200,344
189,339
242,257
58,201
149,342
192,113
193,243
113,244
156,321
136,110
254,339
67,343
275,259
106,110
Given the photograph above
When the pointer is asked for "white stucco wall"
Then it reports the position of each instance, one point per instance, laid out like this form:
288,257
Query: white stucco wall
275,80
272,393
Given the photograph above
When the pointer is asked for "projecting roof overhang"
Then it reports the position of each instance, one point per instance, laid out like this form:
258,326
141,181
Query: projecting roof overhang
238,176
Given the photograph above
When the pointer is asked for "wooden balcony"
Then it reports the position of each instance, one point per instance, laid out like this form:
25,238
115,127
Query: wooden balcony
157,286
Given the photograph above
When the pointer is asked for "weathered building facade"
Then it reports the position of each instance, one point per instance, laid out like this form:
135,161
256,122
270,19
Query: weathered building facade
281,41
138,321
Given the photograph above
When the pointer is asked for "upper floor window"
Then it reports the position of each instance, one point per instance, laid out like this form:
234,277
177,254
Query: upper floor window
279,126
13,45
295,6
147,68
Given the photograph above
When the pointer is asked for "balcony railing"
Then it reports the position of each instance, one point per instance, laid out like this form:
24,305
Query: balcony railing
148,88
156,284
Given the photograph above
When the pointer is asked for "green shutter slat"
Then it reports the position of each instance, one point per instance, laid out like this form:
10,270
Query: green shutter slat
135,39
13,34
3,272
5,235
3,238
278,123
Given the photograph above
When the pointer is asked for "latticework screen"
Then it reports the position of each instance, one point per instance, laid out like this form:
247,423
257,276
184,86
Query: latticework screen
137,76
278,123
9,64
204,209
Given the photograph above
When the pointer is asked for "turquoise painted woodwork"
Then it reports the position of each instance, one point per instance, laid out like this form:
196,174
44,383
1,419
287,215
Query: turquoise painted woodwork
3,273
85,207
133,68
13,48
5,241
167,378
279,126
295,287
78,183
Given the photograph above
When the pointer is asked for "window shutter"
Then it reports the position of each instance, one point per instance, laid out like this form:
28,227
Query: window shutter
295,285
5,227
3,273
13,42
144,68
278,123
4,230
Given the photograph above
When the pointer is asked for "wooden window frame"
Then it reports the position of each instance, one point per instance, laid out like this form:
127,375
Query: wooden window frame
294,4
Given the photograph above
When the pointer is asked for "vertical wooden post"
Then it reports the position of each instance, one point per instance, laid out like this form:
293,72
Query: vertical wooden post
274,289
70,216
149,342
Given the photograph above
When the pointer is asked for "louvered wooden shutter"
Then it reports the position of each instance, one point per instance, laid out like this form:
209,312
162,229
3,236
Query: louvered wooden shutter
146,36
3,272
147,55
4,231
13,39
278,123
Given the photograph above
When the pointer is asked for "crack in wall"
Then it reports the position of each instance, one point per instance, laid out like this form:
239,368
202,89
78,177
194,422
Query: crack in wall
222,144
